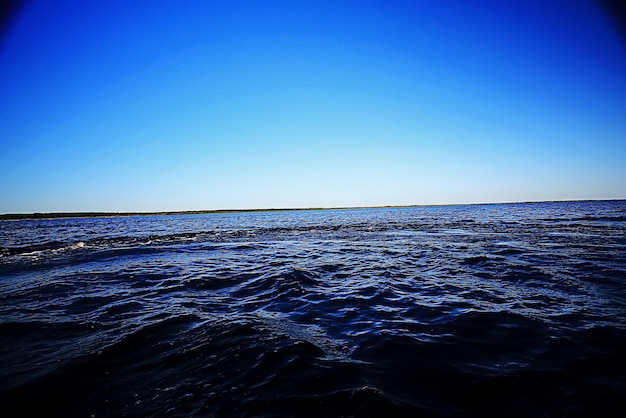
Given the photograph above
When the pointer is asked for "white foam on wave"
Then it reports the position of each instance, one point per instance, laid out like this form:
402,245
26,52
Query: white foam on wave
278,323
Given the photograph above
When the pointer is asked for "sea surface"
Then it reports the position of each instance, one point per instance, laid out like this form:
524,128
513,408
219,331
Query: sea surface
477,310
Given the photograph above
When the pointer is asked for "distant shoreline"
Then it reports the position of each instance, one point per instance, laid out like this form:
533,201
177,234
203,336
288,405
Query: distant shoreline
61,215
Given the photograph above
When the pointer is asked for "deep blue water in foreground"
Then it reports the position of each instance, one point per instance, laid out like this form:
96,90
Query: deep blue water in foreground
509,310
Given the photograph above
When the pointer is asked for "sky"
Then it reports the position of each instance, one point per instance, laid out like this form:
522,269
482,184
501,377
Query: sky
192,105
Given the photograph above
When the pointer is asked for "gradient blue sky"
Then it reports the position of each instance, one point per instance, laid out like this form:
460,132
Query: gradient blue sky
187,105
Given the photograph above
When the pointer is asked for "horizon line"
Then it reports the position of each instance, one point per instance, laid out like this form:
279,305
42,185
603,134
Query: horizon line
111,214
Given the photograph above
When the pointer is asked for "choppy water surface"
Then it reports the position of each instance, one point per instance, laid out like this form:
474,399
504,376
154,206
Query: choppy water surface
515,309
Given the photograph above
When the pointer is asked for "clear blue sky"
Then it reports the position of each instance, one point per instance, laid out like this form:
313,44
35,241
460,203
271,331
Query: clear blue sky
187,105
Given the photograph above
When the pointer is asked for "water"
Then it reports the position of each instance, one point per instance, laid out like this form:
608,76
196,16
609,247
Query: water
515,310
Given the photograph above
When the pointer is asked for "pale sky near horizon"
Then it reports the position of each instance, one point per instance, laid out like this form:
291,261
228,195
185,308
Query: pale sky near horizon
189,105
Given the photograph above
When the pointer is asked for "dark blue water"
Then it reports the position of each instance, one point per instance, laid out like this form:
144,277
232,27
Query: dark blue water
509,310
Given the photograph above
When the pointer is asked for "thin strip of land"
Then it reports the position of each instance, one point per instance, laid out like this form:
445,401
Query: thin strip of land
60,215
